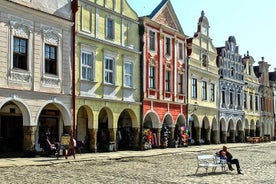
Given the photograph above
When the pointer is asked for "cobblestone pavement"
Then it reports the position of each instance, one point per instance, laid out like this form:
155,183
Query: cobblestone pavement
258,163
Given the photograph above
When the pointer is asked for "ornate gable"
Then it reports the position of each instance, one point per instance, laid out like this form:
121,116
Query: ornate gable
165,18
164,14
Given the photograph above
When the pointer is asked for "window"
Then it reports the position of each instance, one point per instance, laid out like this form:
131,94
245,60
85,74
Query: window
87,67
180,83
152,40
110,28
180,51
231,99
245,101
168,46
232,71
50,59
152,77
212,92
239,99
223,96
194,88
109,71
251,102
262,104
204,60
168,80
20,52
128,74
256,103
204,90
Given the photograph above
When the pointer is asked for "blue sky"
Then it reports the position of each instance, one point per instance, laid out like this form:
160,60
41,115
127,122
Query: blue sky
252,22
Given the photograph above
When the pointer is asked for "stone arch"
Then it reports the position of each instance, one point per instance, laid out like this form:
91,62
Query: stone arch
127,130
151,120
152,123
15,117
105,133
53,119
84,126
24,108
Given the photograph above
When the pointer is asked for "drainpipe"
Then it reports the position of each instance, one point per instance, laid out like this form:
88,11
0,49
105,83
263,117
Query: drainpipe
74,7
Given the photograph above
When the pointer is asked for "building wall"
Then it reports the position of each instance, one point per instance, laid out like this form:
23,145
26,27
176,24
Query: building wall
31,90
95,94
231,82
203,69
251,88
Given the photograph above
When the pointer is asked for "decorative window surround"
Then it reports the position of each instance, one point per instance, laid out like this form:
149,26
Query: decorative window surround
23,29
53,37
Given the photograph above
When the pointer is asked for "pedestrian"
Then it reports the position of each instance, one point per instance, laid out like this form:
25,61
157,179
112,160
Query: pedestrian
230,159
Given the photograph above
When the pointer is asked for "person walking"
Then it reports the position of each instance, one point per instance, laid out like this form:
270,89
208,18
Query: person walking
230,160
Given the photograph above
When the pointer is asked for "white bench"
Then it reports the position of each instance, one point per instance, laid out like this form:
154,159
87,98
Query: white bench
210,161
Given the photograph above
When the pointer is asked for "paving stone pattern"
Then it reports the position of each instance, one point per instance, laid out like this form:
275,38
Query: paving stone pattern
258,163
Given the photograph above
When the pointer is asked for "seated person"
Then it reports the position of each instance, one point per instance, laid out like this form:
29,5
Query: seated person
50,147
230,159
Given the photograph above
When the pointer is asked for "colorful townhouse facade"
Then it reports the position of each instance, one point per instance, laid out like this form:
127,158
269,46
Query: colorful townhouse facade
35,85
117,81
203,85
163,74
107,79
231,89
266,101
251,100
272,82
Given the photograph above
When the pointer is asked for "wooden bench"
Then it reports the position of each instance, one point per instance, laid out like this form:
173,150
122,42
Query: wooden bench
210,161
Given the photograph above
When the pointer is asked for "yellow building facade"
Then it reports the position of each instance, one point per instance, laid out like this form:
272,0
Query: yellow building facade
203,81
251,99
107,109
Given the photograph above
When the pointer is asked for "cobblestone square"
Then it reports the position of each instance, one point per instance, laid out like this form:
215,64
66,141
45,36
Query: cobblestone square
258,163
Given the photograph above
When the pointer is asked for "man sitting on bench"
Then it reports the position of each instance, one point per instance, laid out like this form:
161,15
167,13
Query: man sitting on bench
230,159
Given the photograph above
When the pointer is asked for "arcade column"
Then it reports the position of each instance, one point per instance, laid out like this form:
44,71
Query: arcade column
171,138
92,136
29,140
198,135
223,138
215,137
136,132
232,136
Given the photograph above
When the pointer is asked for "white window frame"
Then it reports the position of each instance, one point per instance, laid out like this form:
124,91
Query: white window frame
23,29
155,40
180,52
152,78
88,49
180,84
212,92
168,77
129,75
51,36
